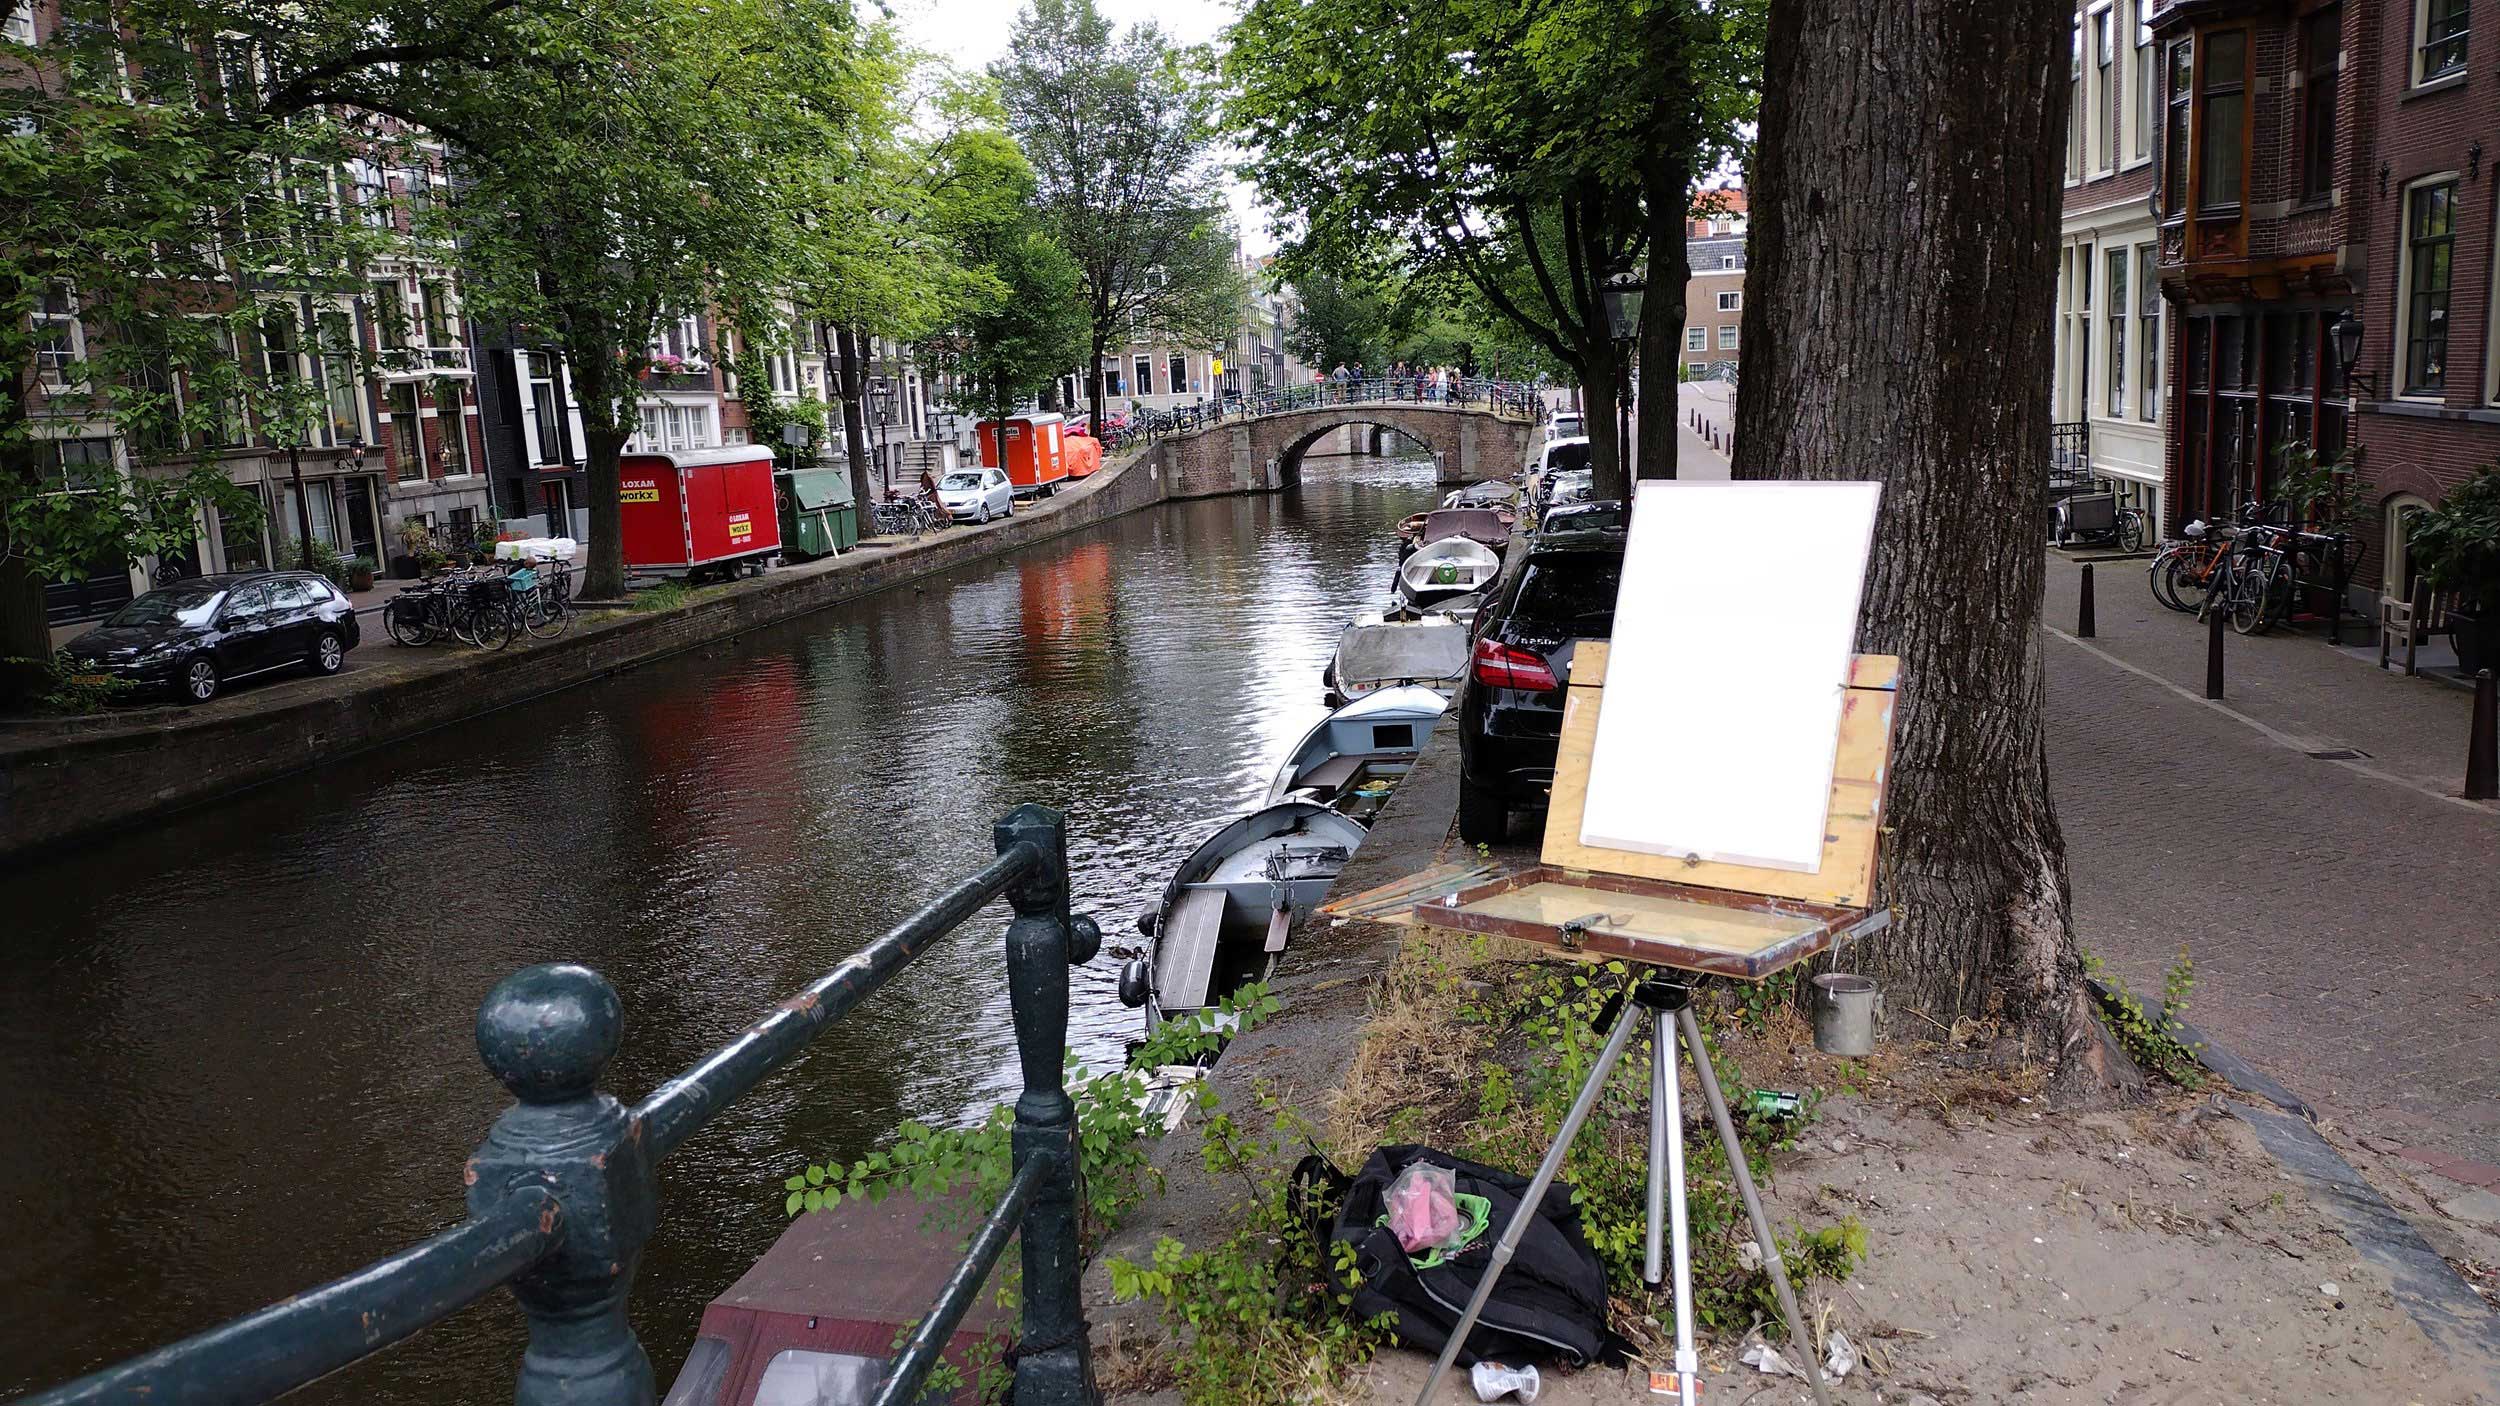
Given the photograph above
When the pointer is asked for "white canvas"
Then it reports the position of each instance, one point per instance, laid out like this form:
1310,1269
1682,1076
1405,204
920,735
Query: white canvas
1733,632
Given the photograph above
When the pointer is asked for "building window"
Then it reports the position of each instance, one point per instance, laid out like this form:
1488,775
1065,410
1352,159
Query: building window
453,426
2321,56
436,311
1176,375
2074,106
1727,261
2174,131
2143,76
2439,27
1143,368
407,431
17,24
2105,88
547,408
2114,311
2220,159
1696,339
1731,302
1727,337
2148,332
2430,241
1695,370
390,315
59,342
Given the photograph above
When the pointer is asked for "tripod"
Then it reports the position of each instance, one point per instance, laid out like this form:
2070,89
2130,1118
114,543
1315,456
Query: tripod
1668,1001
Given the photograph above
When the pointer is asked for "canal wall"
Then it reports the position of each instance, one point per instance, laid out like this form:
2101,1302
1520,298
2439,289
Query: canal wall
68,780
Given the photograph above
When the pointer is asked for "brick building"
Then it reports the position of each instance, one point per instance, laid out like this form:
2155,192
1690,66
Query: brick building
2287,166
2426,123
2262,222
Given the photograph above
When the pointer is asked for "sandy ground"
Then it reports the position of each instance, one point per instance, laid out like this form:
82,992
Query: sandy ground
2154,1255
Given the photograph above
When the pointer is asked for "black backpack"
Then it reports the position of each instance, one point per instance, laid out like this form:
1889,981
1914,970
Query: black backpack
1549,1305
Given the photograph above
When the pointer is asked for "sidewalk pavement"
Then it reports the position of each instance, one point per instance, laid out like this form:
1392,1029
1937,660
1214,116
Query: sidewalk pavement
2340,909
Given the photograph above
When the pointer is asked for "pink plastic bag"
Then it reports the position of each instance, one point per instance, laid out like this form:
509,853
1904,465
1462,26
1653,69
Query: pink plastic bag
1423,1208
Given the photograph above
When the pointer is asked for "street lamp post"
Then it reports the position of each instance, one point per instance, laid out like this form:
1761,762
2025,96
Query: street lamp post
1623,294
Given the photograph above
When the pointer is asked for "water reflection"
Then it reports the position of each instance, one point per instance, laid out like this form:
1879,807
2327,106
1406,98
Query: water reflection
237,1047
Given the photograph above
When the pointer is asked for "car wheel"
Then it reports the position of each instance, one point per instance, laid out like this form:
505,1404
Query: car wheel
1483,816
1011,507
329,653
199,680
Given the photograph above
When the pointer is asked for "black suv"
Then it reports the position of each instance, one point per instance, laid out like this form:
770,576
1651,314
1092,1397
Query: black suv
200,634
1510,708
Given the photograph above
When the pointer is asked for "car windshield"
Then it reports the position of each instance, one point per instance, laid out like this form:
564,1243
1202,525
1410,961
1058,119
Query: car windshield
189,603
1565,458
960,481
1570,593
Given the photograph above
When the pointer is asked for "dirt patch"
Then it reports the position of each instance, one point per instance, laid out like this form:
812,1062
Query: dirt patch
2155,1255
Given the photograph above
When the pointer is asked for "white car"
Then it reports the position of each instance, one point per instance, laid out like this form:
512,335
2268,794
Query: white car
1565,425
977,495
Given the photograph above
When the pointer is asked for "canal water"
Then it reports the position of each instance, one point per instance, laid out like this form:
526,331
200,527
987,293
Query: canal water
235,1048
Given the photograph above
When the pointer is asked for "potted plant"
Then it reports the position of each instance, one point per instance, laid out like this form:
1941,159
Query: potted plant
414,542
360,571
2457,546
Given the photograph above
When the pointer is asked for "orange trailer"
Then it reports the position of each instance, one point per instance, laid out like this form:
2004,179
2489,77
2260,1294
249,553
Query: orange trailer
1036,457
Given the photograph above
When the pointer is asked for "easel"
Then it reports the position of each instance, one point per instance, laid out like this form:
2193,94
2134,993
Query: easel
1680,920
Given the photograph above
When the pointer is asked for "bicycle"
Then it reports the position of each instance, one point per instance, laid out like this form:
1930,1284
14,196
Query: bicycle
896,517
2184,563
545,612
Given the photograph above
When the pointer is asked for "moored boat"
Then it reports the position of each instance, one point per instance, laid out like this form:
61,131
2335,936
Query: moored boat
1354,758
816,1320
1443,570
1225,914
1377,652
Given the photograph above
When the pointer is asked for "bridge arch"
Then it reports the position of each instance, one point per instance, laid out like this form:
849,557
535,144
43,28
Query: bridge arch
1289,456
1265,452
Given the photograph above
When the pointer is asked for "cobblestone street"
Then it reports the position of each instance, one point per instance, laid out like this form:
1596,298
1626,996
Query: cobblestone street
2338,911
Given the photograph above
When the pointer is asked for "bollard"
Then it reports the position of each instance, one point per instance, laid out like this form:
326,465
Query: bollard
2482,745
2213,651
2083,608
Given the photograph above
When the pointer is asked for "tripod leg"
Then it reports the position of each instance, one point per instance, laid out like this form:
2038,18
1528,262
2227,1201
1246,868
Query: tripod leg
1666,1106
1662,1094
1508,1245
1813,1359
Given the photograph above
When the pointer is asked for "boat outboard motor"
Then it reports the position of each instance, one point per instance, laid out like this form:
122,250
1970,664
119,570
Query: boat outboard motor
1136,982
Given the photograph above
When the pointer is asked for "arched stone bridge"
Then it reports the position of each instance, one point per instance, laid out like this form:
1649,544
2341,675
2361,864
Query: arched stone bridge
1264,452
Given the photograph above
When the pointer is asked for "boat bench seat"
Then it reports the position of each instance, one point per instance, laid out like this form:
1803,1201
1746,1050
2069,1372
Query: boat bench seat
1333,772
1185,947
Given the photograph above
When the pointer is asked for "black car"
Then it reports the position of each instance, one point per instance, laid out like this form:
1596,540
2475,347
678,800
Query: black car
1510,708
198,635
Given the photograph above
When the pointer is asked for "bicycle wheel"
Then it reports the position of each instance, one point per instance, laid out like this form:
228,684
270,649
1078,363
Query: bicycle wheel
2164,579
399,621
2252,591
2131,532
492,624
546,616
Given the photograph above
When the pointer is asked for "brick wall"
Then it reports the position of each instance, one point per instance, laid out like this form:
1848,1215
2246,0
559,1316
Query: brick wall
2422,446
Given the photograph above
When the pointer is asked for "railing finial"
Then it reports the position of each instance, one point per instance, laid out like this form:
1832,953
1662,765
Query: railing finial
546,1032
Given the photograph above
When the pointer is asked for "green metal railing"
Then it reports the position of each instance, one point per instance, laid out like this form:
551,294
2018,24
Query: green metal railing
562,1193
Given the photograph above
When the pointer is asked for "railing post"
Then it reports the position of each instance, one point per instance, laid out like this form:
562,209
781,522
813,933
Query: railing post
1054,1361
546,1032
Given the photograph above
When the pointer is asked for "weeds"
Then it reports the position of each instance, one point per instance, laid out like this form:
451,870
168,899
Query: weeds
59,684
2154,1041
668,595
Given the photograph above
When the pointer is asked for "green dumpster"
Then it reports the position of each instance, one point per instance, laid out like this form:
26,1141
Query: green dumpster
818,517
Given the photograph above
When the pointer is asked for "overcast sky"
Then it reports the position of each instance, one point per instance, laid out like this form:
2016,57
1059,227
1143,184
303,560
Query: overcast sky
973,32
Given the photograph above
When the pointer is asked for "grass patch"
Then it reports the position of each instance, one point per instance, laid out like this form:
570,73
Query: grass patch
668,595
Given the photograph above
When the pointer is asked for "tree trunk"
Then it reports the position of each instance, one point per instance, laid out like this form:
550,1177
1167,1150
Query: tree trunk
853,381
603,439
1902,256
1668,193
1601,376
1095,393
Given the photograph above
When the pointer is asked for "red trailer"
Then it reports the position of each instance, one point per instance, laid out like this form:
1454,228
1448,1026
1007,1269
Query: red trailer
1036,452
696,510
